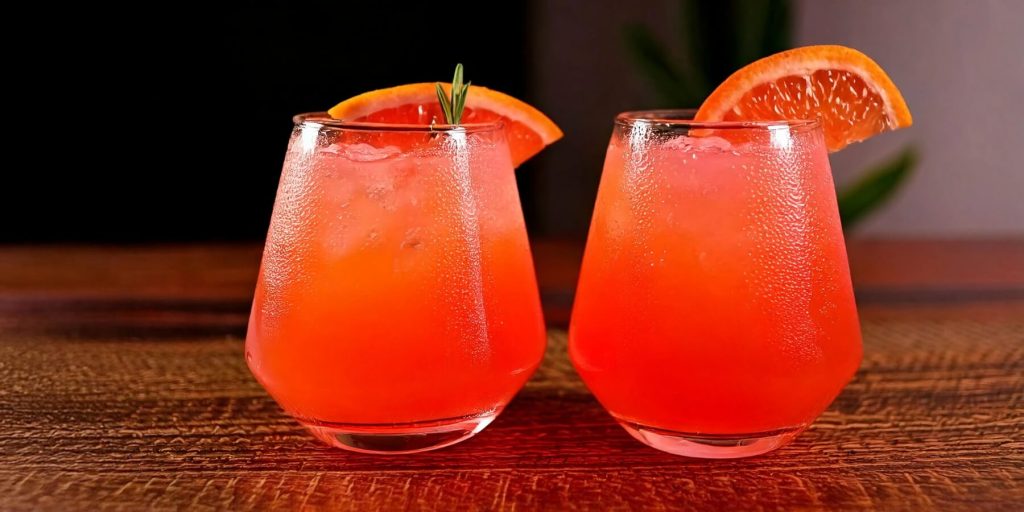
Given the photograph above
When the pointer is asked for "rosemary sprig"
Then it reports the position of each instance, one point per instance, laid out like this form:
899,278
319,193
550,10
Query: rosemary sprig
454,106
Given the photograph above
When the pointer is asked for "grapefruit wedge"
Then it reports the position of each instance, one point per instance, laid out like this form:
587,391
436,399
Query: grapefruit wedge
847,91
528,130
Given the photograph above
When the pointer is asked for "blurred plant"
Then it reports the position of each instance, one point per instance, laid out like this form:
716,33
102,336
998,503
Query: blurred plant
717,38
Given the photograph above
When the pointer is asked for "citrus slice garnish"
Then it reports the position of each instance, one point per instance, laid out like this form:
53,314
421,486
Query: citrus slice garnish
528,130
845,89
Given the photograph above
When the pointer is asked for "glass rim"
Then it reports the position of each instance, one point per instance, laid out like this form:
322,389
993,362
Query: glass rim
325,120
684,118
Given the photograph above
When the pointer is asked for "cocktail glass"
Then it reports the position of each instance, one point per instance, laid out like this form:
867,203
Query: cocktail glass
714,316
396,309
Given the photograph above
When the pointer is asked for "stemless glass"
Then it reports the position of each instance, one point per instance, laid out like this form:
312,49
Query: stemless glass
396,309
714,316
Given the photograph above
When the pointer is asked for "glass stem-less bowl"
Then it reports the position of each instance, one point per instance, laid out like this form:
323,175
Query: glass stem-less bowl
714,316
396,309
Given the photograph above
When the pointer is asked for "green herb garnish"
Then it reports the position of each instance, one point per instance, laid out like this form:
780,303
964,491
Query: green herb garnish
454,106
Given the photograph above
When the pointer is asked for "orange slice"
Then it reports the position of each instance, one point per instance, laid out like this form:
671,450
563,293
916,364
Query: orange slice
528,130
845,89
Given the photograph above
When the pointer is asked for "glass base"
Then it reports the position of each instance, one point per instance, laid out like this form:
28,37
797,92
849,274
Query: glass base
399,438
711,446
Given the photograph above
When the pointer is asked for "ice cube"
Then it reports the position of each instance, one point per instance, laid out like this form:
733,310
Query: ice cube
699,144
413,239
362,152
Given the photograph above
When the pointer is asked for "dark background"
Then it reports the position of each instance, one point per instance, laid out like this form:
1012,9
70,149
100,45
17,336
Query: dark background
167,122
166,126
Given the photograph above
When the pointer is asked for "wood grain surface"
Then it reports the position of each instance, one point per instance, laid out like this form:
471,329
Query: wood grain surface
123,386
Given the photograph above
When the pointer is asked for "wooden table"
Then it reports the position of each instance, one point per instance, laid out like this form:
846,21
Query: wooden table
123,386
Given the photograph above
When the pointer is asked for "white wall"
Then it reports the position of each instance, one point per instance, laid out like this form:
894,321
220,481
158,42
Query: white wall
960,66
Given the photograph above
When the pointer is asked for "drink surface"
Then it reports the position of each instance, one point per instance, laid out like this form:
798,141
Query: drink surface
715,295
396,284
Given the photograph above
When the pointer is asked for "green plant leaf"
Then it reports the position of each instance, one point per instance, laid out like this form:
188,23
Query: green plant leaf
460,105
719,37
715,39
445,105
778,33
653,60
713,30
751,23
692,45
454,105
874,188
